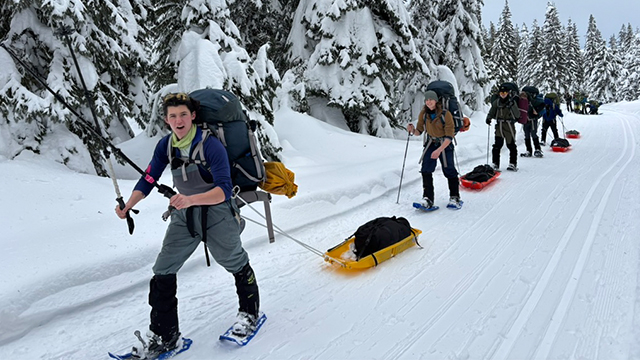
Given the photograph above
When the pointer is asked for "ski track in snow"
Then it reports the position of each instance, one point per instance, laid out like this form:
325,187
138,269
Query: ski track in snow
486,288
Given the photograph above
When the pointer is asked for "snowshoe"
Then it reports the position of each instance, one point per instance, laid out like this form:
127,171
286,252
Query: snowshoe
455,203
538,153
512,167
240,326
425,205
153,348
526,154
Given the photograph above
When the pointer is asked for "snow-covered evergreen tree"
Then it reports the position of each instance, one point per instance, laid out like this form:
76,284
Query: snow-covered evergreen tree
350,55
105,39
504,53
573,57
459,41
629,87
167,27
552,55
209,54
409,89
523,47
260,22
601,71
487,54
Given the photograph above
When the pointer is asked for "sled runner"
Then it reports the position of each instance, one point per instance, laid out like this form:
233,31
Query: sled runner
479,177
573,134
343,255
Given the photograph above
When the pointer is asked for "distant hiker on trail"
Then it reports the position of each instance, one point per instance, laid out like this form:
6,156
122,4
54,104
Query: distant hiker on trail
569,100
506,112
549,119
439,127
204,211
536,106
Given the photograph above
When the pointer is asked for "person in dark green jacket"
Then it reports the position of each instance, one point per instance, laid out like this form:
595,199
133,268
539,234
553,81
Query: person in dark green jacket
506,112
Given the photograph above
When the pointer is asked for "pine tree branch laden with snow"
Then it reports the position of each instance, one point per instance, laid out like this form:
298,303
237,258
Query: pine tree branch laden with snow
209,54
356,52
111,60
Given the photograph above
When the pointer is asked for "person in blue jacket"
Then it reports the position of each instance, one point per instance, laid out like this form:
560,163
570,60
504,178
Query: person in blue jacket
204,211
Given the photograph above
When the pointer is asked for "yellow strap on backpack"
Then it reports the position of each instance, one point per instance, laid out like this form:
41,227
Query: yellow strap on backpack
279,180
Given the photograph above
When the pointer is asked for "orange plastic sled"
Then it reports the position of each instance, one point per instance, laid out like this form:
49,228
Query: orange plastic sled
478,185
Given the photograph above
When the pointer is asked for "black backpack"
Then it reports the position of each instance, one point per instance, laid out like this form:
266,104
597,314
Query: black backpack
380,233
514,93
222,114
447,97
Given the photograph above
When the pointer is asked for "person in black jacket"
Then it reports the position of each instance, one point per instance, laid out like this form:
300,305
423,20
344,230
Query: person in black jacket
536,107
549,115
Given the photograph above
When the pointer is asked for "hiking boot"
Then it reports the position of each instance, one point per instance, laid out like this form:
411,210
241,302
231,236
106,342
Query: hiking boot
512,167
427,203
245,324
526,154
454,202
153,346
538,153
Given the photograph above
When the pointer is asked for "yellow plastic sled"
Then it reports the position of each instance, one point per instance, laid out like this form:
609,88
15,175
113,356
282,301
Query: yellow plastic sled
338,255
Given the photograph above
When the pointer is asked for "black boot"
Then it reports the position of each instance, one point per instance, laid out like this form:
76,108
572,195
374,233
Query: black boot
427,186
536,143
454,187
164,307
495,152
247,290
527,143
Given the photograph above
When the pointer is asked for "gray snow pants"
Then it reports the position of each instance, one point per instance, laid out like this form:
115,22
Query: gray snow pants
223,239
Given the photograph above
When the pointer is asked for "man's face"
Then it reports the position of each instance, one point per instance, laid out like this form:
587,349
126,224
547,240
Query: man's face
180,119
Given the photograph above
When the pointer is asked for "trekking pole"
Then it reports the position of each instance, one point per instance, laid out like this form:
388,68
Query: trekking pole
65,31
403,162
564,131
165,190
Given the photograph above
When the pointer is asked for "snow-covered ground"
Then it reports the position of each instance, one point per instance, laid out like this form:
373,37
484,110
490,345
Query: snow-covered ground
543,264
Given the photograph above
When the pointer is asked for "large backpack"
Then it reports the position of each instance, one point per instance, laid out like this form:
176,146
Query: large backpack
222,115
513,91
553,96
531,91
447,97
536,100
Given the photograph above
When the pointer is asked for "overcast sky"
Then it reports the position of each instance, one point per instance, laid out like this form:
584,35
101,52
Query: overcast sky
610,15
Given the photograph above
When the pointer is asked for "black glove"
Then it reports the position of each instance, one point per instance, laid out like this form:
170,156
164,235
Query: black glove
488,121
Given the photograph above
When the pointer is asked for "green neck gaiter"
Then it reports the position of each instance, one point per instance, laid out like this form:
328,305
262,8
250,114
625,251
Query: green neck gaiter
184,143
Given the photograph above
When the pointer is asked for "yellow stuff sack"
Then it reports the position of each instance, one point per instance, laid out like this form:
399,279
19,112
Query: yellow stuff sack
280,180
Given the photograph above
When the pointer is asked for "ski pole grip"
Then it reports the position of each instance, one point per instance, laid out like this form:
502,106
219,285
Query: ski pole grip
130,223
168,193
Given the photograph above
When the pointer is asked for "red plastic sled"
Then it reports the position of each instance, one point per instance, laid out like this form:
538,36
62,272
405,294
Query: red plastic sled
478,185
573,136
560,148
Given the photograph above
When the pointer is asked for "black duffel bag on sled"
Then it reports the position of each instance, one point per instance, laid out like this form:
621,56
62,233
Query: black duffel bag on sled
380,233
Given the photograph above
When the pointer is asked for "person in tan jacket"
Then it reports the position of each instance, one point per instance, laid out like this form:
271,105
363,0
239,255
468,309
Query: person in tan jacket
437,124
